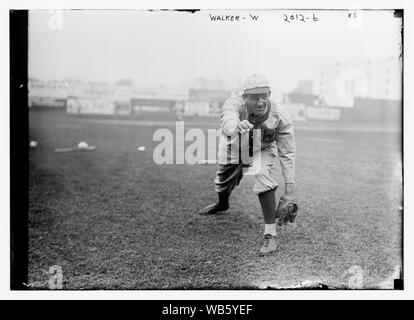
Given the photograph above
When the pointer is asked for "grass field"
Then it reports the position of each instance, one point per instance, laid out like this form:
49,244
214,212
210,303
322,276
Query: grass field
112,219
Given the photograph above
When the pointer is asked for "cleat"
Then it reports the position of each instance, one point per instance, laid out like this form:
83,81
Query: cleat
269,244
213,209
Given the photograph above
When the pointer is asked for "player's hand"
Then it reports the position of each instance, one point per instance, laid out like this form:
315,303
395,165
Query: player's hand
289,191
244,126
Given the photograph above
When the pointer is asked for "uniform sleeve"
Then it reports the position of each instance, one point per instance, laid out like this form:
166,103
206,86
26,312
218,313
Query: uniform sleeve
230,116
285,141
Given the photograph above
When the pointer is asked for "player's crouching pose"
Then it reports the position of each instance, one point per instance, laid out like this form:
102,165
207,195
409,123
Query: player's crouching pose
240,115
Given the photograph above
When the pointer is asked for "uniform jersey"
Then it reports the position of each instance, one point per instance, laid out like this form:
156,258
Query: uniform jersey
277,134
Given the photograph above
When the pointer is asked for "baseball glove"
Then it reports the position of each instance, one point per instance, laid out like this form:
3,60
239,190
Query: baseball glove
286,211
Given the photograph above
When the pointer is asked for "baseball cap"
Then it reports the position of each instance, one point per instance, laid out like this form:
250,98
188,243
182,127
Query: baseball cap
255,84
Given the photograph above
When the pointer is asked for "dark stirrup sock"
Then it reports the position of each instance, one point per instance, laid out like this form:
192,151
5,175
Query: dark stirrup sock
223,199
268,203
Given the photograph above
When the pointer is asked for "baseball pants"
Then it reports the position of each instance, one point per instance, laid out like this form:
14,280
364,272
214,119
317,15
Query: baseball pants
263,169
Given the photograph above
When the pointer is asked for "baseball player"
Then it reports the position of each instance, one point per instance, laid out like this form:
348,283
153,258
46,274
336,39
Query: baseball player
272,139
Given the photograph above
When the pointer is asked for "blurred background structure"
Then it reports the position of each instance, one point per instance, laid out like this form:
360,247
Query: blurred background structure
343,66
364,92
106,216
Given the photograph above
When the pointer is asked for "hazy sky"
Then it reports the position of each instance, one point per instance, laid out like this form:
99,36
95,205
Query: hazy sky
174,48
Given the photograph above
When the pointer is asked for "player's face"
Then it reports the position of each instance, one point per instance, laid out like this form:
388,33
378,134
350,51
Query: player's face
256,103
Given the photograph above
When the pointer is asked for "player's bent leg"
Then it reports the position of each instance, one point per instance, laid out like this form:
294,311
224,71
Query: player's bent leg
264,180
264,168
228,177
220,206
265,187
268,204
267,201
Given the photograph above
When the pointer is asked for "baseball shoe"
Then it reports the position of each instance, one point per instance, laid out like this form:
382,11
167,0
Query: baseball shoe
213,209
269,244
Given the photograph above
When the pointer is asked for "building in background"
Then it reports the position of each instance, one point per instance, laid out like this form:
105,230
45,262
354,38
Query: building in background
300,100
121,98
121,95
361,92
91,98
157,99
47,93
99,98
207,96
338,85
304,87
205,102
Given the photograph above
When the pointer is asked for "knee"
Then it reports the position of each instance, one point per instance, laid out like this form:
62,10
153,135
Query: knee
261,173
